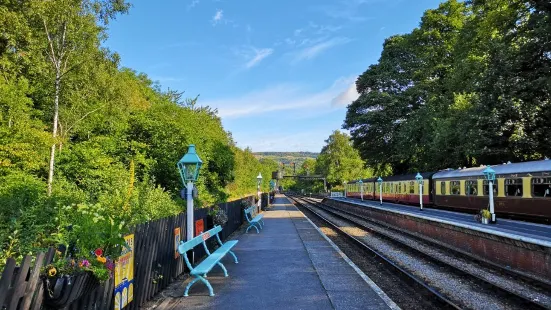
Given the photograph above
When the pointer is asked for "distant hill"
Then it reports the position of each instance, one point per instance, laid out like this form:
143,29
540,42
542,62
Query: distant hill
287,157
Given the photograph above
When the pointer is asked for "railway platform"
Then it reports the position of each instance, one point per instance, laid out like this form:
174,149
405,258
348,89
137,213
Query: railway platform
521,247
517,230
290,264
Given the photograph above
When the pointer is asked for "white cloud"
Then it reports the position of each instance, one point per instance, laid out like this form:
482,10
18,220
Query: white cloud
348,10
192,4
251,56
316,49
260,54
312,140
346,97
282,97
217,17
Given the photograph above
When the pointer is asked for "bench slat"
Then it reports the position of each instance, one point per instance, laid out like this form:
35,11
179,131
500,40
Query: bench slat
226,247
188,245
258,217
206,265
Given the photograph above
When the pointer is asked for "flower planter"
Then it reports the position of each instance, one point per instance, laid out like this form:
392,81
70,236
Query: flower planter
61,292
485,220
210,223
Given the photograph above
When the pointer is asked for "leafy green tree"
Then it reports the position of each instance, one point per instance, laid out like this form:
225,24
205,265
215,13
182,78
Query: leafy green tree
339,161
469,86
114,136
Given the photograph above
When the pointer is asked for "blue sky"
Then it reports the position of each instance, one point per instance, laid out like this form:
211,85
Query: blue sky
281,73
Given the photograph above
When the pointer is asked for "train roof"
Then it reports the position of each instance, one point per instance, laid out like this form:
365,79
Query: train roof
408,177
525,167
370,180
404,177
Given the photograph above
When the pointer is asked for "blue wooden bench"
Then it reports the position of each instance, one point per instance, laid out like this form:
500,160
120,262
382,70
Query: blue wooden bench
254,221
200,271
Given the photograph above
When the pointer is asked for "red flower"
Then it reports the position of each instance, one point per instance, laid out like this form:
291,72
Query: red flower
98,252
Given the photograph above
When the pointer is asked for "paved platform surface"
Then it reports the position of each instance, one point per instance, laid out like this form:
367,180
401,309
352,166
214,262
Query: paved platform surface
289,265
528,230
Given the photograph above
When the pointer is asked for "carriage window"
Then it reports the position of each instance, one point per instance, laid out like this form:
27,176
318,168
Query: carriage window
541,187
455,187
412,187
471,188
443,188
513,187
486,187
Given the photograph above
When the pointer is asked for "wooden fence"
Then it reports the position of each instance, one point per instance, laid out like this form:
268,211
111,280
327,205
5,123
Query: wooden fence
155,265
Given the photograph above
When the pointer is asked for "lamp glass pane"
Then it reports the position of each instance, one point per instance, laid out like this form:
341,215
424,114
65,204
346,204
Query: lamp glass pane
190,171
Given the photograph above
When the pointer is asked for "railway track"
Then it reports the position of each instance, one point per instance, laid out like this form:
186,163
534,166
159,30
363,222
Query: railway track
455,281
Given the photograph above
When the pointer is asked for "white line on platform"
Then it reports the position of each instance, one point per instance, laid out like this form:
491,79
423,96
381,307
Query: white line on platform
367,280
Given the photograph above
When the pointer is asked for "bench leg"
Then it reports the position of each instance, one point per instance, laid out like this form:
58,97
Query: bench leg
252,225
199,278
223,268
259,225
262,221
235,257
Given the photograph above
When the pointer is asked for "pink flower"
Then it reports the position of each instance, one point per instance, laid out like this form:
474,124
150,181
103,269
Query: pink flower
84,263
110,265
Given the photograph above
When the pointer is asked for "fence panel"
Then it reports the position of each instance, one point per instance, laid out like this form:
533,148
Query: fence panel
155,265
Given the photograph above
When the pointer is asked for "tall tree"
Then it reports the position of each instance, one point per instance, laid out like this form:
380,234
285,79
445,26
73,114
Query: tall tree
71,35
469,86
339,161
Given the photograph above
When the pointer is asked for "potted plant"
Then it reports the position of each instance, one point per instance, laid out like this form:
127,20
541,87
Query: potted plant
485,216
219,216
67,278
87,250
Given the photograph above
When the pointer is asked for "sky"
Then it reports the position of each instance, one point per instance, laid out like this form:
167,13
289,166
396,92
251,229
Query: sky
281,73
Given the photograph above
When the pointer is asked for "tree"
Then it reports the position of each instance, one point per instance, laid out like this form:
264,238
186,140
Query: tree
308,166
71,34
339,161
469,86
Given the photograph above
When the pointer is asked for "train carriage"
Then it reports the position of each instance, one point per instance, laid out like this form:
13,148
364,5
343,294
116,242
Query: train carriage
520,190
353,189
405,189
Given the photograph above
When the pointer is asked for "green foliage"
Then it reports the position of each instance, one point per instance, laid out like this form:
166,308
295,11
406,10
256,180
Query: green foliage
339,161
287,158
471,85
119,135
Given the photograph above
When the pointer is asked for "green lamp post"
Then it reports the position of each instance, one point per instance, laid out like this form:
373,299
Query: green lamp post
419,179
490,175
189,167
361,189
344,186
380,181
258,183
